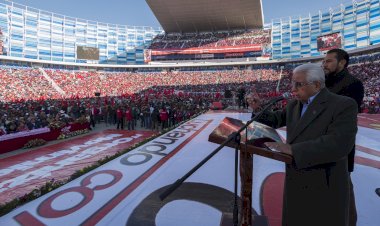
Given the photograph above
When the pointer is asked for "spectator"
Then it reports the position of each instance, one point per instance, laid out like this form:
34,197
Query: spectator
129,118
164,117
120,118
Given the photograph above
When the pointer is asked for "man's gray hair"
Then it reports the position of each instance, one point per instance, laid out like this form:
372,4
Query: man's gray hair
313,72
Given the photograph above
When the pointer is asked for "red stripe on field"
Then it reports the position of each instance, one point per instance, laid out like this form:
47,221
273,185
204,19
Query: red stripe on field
367,162
98,215
368,150
371,121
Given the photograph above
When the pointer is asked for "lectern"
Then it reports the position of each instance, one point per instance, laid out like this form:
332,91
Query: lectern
252,143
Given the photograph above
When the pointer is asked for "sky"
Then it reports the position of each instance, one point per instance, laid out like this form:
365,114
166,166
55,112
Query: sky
138,13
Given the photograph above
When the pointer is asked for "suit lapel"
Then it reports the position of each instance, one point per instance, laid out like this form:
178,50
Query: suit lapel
315,108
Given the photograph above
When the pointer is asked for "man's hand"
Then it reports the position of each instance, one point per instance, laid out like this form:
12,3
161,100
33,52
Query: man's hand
280,147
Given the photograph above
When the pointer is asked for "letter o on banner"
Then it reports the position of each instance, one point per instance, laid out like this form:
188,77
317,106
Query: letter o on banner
125,160
45,209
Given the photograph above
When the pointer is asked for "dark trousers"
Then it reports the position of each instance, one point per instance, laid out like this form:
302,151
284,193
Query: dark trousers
92,122
164,124
131,124
142,123
352,217
154,125
120,122
171,122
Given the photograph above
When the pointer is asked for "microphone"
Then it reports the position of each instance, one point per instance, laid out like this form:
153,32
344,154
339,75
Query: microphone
286,95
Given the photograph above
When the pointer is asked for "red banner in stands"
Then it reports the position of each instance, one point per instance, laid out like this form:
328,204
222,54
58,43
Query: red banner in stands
198,50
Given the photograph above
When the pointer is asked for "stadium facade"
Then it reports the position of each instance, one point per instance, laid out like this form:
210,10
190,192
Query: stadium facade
29,33
35,34
296,37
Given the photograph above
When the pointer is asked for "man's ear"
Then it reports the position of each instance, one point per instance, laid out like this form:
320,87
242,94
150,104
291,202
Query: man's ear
342,63
318,85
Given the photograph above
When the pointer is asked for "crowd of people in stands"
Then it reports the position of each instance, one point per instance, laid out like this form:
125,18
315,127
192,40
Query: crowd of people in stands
211,39
30,99
369,74
24,84
179,94
83,84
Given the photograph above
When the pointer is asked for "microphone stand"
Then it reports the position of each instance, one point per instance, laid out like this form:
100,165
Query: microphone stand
234,136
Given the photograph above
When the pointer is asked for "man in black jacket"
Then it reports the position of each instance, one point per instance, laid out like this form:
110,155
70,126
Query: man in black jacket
341,82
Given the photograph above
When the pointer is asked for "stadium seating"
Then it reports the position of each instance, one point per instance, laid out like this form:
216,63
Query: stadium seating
209,39
24,92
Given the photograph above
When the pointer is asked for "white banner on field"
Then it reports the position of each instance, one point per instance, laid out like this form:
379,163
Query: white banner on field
126,190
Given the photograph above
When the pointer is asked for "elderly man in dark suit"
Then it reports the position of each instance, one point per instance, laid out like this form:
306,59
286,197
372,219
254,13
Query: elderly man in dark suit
321,130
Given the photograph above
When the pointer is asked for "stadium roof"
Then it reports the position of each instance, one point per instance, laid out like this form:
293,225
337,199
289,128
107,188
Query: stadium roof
207,15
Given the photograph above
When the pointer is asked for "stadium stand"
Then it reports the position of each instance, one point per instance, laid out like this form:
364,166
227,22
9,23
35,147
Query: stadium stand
211,39
222,44
24,88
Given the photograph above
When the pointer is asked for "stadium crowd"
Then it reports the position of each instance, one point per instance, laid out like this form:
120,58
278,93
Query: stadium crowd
369,74
120,92
24,84
29,101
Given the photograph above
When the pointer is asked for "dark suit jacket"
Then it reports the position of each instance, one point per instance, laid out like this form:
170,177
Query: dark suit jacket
316,184
347,85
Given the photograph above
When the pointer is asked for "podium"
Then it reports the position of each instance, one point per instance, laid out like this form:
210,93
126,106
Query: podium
252,144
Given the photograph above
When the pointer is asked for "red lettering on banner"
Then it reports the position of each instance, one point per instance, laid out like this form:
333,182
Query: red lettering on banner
22,173
26,219
46,210
97,216
87,188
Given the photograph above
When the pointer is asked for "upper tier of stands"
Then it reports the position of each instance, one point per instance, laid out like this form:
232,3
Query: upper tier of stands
211,39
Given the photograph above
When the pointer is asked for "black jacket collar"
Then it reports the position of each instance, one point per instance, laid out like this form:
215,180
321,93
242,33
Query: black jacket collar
333,79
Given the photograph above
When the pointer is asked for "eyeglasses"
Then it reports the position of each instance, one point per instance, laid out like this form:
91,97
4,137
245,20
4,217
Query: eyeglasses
300,84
